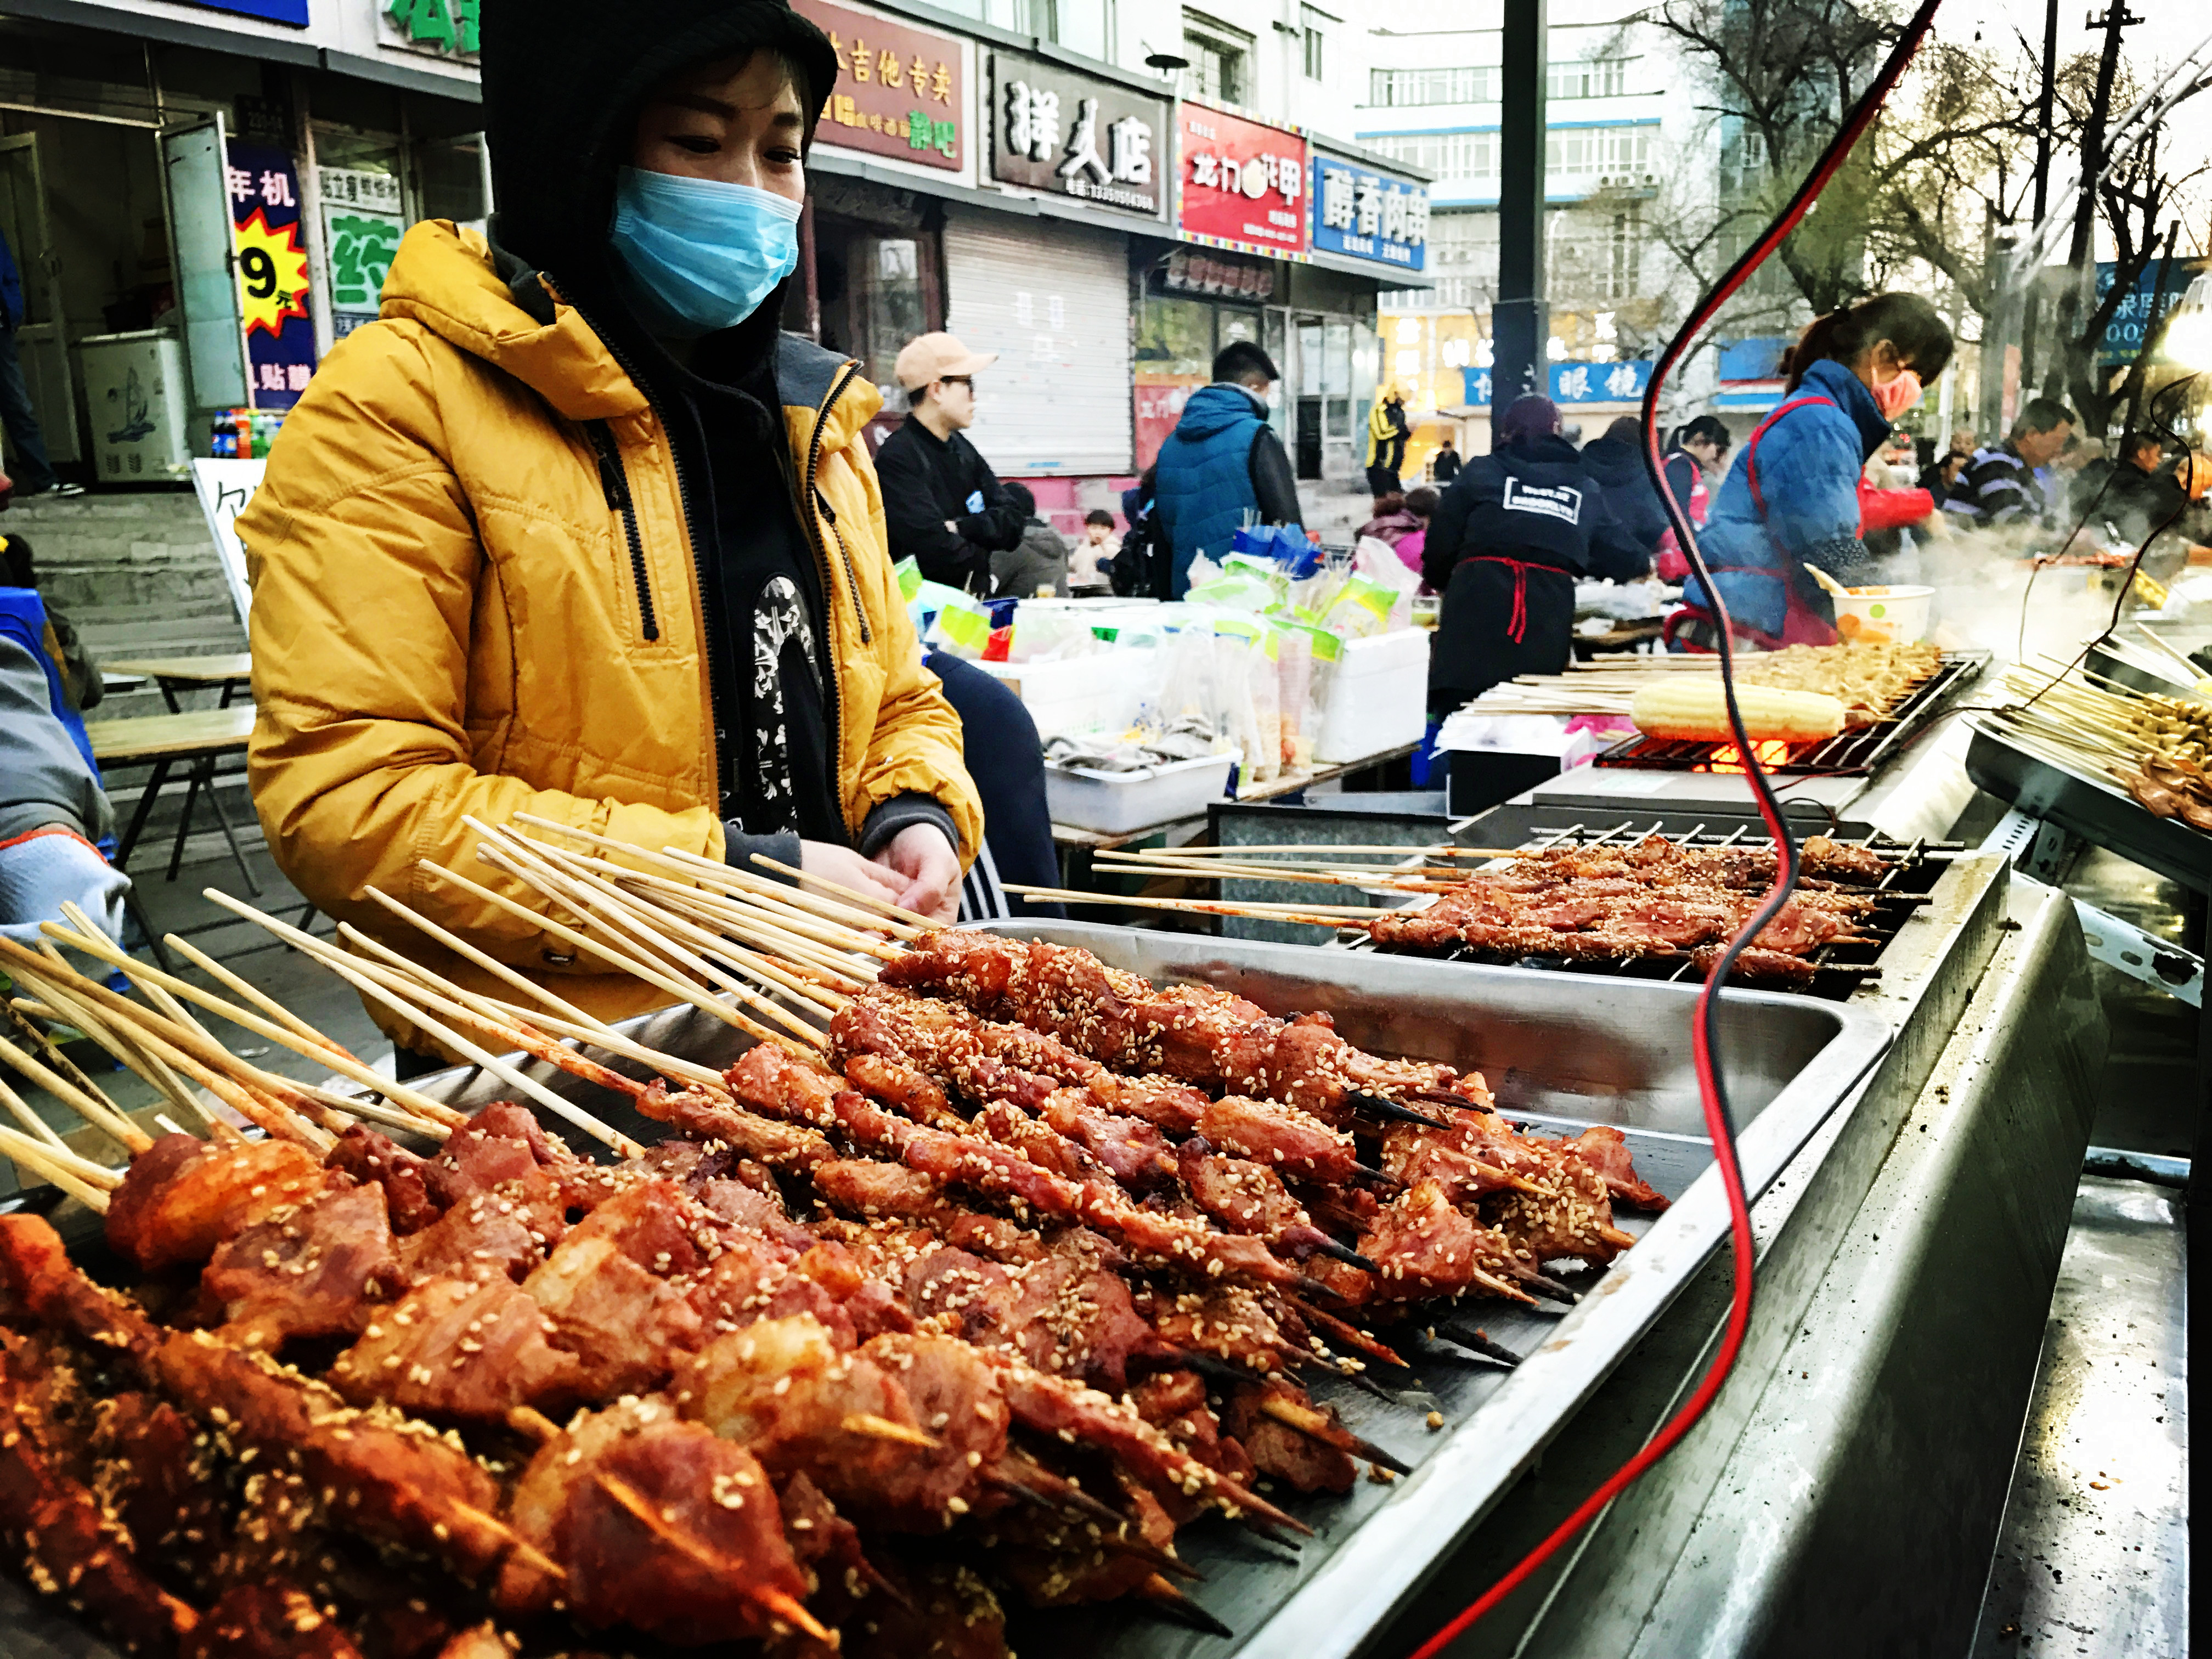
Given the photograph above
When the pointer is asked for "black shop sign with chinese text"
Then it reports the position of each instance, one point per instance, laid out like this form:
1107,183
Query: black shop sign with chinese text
1069,134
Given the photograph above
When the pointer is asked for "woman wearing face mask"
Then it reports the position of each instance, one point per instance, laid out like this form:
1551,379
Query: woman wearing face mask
1793,497
573,530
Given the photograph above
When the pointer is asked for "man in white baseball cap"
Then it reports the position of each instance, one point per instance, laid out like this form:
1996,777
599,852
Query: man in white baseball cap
942,503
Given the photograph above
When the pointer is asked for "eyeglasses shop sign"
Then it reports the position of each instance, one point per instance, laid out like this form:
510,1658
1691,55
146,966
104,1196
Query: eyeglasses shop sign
1055,130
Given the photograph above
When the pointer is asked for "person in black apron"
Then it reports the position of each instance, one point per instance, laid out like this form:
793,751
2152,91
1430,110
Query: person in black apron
1508,541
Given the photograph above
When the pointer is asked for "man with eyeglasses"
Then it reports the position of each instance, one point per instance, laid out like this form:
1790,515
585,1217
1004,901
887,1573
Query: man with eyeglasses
942,503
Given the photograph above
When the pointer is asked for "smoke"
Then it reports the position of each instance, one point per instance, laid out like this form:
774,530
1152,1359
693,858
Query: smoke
1989,597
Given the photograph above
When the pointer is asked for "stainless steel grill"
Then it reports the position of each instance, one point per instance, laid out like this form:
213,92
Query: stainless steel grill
1914,868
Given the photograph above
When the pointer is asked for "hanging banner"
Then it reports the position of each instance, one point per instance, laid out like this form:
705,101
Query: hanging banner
1240,183
362,224
272,274
900,89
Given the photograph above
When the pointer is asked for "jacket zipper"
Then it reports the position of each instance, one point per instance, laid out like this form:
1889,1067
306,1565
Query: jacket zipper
813,459
616,483
715,708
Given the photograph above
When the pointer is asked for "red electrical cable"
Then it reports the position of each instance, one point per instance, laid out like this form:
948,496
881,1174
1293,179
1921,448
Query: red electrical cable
1711,1089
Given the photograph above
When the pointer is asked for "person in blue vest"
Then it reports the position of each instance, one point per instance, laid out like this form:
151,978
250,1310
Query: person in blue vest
1793,497
1223,467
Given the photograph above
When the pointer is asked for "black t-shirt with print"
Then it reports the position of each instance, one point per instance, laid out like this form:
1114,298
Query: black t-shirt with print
762,588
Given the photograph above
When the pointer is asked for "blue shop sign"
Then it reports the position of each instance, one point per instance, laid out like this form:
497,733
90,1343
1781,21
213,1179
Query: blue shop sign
294,12
2140,309
1600,383
1572,383
1366,215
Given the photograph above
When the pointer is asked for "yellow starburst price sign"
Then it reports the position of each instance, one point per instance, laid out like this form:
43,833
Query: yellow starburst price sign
272,274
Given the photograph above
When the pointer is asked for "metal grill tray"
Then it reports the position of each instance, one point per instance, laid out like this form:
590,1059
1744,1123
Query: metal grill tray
1560,1051
1849,753
2095,808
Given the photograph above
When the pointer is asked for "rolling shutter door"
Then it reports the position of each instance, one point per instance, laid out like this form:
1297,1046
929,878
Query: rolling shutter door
1051,297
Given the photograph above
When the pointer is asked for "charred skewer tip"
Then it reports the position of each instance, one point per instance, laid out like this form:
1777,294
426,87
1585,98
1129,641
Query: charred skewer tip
1475,1342
882,1428
1361,1100
1158,1591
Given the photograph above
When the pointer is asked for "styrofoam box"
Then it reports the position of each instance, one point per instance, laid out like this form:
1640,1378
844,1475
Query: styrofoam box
1113,803
1378,697
1081,695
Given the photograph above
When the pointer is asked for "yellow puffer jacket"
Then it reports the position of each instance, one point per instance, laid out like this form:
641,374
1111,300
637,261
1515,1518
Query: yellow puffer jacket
450,619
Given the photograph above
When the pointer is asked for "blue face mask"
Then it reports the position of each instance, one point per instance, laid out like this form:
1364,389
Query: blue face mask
701,254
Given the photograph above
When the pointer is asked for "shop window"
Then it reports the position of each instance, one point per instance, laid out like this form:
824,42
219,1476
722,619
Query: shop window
877,290
452,180
1403,88
1220,58
1311,42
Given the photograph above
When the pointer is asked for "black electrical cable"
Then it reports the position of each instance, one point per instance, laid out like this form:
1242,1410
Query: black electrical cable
1705,1039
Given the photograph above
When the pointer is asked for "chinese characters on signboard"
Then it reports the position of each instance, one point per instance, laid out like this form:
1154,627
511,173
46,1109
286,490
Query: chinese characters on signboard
1241,183
1073,134
363,219
2140,309
1575,383
1369,215
899,91
444,28
272,274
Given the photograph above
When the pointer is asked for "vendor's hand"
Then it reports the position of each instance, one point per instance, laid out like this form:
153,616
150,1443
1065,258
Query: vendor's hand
930,869
952,525
849,869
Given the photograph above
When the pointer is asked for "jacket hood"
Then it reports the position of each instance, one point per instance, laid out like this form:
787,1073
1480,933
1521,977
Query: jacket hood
1831,380
561,78
1610,461
449,281
1549,448
1216,408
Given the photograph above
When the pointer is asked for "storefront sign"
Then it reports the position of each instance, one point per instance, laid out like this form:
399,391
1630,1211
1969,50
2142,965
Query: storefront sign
362,222
1054,129
1366,215
294,12
263,187
899,88
1240,184
444,28
1575,383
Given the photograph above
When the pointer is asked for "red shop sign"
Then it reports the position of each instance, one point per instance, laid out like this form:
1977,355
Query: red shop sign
1240,183
899,90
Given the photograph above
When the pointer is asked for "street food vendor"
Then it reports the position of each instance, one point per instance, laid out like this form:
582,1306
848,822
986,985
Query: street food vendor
1505,546
574,530
1793,498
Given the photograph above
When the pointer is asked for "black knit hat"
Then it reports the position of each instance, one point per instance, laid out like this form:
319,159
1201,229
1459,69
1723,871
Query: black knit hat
561,78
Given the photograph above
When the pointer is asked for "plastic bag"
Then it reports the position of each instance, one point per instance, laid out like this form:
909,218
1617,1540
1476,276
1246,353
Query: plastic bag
1294,662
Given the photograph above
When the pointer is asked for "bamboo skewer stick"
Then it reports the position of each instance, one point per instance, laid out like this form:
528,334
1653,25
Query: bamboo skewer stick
651,972
252,994
605,903
89,1171
1341,916
154,993
30,1119
1219,871
116,1039
682,993
1431,850
370,980
703,872
42,1041
653,916
490,964
35,1156
814,945
212,1052
782,896
112,1123
912,919
261,1110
